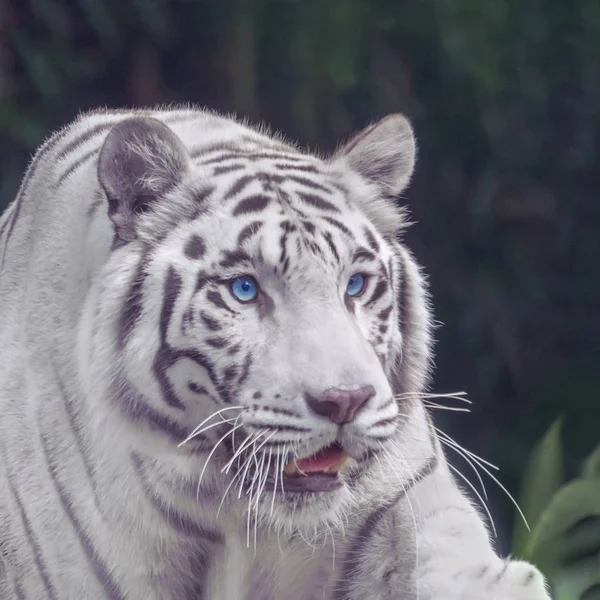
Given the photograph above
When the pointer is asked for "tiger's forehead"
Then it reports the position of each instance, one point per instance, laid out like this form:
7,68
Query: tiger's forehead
279,211
299,183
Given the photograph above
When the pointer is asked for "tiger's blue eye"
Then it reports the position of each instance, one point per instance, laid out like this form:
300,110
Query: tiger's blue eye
244,289
356,285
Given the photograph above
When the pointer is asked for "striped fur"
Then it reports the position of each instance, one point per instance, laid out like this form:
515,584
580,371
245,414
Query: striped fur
120,335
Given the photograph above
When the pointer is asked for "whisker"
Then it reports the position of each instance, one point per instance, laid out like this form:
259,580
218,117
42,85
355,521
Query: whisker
508,494
212,453
410,506
277,461
487,510
217,412
442,407
258,494
474,456
243,446
480,462
233,479
247,463
250,496
250,491
332,546
202,430
461,396
459,451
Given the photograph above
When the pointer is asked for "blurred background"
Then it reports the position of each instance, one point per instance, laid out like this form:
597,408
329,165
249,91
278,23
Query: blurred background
505,100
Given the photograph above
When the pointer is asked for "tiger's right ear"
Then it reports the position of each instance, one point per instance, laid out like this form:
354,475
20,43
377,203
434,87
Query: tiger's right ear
141,161
384,156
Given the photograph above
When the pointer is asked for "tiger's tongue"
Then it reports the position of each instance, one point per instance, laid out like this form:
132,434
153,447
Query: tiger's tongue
328,460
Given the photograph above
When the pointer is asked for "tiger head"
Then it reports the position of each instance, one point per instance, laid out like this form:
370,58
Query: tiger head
258,305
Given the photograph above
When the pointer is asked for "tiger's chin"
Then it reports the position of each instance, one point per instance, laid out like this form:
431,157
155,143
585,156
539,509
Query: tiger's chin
306,510
311,493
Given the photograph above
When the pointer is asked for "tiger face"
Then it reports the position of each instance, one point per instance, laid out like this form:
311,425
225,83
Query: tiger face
253,299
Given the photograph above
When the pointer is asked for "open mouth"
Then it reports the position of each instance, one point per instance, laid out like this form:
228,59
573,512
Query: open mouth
317,473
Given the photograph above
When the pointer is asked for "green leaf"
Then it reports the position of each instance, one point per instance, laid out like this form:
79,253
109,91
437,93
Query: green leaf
577,582
591,467
542,478
569,527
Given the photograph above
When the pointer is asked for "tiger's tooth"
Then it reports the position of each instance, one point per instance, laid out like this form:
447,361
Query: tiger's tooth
291,468
343,460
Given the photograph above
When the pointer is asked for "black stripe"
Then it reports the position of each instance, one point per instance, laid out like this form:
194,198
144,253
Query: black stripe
78,163
6,219
246,369
363,254
371,240
216,298
88,135
133,302
203,194
339,225
102,574
386,421
305,181
165,357
351,561
230,154
295,167
195,248
35,547
404,314
271,427
217,342
385,313
310,227
238,186
282,246
210,322
222,169
318,202
77,434
254,203
177,521
230,372
248,231
138,411
380,289
234,259
341,188
330,243
276,156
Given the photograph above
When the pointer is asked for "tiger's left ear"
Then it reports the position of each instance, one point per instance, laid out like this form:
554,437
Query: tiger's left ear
384,155
140,162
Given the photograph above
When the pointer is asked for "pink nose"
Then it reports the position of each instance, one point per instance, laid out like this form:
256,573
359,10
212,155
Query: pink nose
340,406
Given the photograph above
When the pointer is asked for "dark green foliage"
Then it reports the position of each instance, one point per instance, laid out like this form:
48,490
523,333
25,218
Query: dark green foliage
505,99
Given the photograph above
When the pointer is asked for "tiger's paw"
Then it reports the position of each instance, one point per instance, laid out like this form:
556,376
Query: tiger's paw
504,580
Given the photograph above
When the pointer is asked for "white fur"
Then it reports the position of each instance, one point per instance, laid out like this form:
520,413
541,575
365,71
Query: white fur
63,378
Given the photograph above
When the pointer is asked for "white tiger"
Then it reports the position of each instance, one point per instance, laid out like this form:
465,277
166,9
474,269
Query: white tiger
174,276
